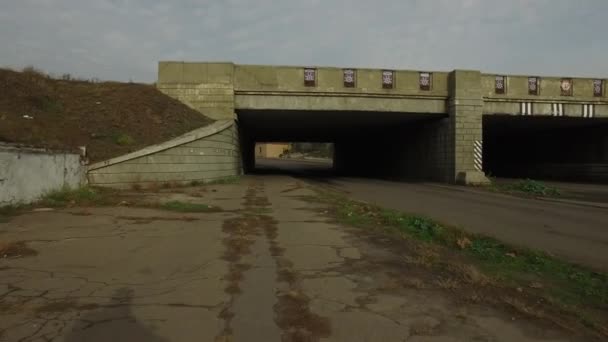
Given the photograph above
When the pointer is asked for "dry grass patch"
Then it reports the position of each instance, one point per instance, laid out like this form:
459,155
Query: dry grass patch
16,250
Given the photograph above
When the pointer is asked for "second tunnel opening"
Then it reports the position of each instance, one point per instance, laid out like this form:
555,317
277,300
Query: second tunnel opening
546,148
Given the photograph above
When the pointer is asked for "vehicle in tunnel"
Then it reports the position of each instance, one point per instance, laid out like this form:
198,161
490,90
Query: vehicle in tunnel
547,148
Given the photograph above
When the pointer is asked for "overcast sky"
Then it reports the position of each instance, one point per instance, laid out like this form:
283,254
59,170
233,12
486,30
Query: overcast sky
124,39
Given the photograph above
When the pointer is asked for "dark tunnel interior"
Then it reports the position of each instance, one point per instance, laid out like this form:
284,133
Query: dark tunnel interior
550,148
404,146
366,144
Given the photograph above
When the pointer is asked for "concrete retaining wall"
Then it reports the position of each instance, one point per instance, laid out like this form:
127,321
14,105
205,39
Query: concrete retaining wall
28,173
204,155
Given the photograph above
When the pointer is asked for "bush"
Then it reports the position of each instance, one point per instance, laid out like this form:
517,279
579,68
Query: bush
533,187
34,72
123,139
46,104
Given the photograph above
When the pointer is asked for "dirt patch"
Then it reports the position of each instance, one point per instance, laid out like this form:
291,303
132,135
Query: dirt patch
80,213
109,118
17,249
241,233
146,220
253,200
64,306
442,271
287,275
292,313
296,320
295,188
234,277
292,310
405,263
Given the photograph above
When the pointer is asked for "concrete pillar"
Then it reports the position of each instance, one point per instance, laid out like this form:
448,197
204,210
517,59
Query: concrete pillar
465,109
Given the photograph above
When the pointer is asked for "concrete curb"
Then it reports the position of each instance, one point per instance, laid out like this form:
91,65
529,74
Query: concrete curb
198,133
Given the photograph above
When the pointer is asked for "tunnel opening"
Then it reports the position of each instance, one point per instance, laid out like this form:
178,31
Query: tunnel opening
294,158
388,145
546,148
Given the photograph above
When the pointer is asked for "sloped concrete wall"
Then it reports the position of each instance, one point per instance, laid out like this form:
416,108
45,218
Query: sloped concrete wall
204,155
28,173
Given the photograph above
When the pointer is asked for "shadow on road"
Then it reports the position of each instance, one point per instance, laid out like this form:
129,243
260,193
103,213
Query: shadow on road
115,322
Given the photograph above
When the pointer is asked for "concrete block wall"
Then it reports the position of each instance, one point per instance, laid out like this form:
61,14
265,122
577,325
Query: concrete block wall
205,87
549,93
419,151
204,155
26,174
433,150
279,87
549,88
279,79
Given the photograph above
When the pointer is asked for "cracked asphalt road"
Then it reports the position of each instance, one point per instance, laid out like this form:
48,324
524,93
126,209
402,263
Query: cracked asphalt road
269,267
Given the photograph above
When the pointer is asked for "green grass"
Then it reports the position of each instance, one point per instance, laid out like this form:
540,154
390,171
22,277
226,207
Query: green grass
225,180
123,139
564,282
68,196
8,211
184,207
59,199
219,181
46,104
260,211
528,187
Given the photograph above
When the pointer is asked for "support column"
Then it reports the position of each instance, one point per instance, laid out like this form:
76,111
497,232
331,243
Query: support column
465,109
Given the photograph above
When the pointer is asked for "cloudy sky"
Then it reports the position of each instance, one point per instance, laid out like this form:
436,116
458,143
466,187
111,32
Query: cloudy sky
124,39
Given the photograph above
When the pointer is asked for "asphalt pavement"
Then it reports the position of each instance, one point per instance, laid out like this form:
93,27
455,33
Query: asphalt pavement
574,230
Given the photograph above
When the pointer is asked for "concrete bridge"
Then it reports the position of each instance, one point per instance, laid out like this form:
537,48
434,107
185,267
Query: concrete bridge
444,126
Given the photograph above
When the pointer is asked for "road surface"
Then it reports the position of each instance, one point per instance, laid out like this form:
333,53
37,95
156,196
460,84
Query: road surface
578,233
266,266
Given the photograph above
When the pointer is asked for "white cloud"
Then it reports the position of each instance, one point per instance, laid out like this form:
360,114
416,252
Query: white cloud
124,39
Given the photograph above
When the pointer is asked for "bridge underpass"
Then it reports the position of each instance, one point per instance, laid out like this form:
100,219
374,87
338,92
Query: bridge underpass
551,148
442,126
370,144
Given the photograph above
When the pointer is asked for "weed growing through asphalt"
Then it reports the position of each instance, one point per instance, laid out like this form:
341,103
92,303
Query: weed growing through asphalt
527,187
260,210
6,212
225,180
64,197
184,207
90,196
562,282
